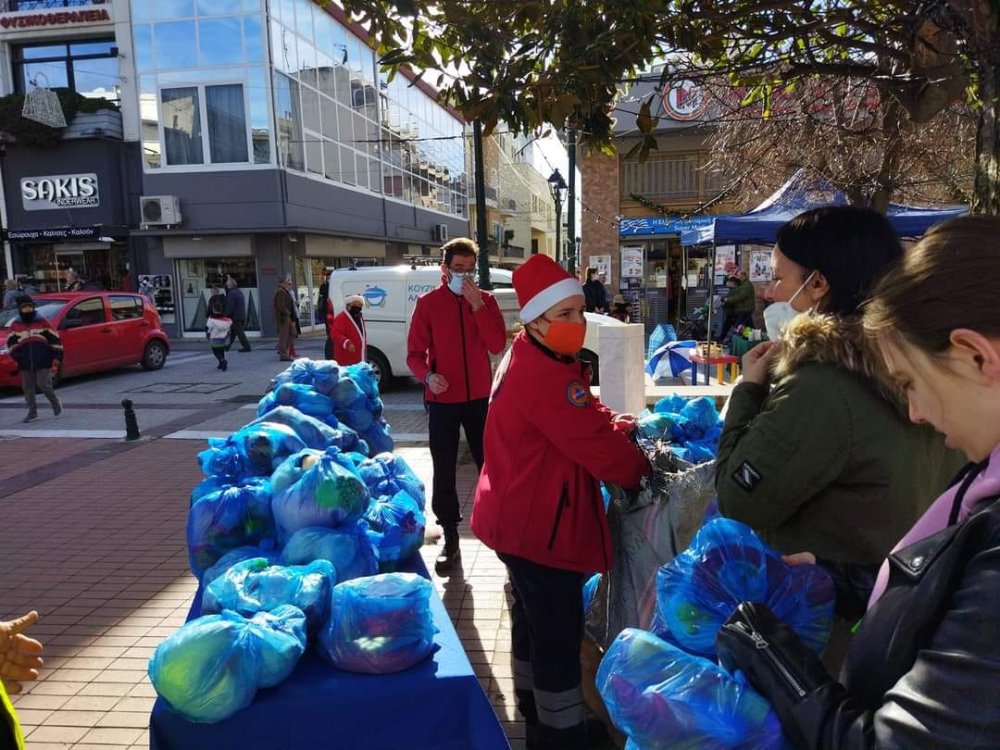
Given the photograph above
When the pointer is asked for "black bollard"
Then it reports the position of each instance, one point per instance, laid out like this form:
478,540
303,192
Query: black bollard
131,424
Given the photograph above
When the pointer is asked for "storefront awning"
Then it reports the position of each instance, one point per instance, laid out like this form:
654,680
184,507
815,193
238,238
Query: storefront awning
49,235
688,229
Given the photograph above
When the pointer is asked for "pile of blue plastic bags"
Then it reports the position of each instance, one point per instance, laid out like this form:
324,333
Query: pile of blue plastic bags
664,688
691,427
297,535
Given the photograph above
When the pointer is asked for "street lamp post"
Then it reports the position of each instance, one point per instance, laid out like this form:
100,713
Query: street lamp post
557,186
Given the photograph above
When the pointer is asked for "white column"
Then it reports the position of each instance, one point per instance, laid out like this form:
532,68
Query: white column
622,362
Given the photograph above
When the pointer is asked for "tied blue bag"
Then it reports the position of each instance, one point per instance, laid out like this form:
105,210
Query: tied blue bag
665,699
212,666
347,548
328,491
228,518
727,563
253,450
303,397
386,474
396,529
266,550
258,585
313,432
322,374
381,624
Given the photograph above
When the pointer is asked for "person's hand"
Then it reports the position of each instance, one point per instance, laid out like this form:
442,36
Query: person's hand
757,363
19,654
54,368
472,294
437,384
349,346
625,422
799,558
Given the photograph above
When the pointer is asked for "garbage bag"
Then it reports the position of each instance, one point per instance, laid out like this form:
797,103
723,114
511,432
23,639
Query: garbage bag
649,527
266,550
381,624
665,699
386,474
212,666
321,374
258,585
364,377
229,518
351,405
347,547
253,450
378,438
303,397
348,440
396,528
313,432
727,563
328,493
292,469
208,485
589,589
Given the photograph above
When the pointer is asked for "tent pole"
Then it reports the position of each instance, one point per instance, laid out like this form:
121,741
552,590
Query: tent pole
711,294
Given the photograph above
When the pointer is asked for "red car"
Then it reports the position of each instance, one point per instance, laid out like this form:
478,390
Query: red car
99,331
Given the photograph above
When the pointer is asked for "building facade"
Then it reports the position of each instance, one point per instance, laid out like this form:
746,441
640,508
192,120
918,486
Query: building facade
258,139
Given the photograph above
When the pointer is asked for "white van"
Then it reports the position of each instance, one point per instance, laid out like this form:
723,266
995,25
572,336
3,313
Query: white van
390,293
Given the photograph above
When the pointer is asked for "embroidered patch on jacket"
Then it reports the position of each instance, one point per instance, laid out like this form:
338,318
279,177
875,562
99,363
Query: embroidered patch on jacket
747,477
577,394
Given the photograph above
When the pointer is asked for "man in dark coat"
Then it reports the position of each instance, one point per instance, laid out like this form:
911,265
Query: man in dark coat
236,311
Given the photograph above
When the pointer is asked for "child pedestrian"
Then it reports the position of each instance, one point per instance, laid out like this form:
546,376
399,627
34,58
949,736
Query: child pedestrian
217,331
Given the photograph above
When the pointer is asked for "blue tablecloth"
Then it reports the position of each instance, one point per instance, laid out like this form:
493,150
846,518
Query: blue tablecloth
438,704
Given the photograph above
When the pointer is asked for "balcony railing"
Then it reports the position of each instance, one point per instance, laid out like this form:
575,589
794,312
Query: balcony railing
18,5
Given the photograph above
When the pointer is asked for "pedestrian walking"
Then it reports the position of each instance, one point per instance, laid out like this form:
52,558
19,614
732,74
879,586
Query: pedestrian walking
284,316
454,329
10,294
348,336
37,350
236,311
217,328
594,293
548,445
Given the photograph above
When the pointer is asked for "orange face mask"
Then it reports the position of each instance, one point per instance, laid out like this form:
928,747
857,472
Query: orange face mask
564,337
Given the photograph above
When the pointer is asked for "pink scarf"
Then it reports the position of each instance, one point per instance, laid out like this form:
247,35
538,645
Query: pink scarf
935,519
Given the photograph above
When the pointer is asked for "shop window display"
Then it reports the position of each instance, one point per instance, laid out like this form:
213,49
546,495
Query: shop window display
197,278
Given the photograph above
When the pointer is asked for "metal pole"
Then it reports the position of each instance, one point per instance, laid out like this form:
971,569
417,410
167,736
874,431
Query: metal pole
558,224
711,293
571,208
131,423
481,237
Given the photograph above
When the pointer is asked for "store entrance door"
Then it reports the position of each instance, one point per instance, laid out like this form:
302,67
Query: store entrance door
309,275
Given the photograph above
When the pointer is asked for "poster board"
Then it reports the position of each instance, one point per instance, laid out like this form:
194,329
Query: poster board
760,265
725,260
602,263
632,262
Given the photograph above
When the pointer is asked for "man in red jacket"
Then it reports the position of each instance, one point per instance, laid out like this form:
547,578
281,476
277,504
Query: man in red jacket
348,336
454,330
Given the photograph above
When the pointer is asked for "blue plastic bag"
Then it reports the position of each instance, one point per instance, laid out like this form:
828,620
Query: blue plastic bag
672,404
351,405
589,589
386,474
665,699
321,374
329,492
313,432
380,624
258,585
396,528
253,450
266,550
303,397
364,377
727,563
378,438
229,518
347,547
212,666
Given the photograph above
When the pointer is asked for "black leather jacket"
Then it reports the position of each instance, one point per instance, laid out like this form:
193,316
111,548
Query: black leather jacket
923,671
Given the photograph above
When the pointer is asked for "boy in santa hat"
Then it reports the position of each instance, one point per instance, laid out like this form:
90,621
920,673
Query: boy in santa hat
347,332
548,444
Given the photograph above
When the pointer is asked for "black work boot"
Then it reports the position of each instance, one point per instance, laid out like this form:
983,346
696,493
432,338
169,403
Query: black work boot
450,551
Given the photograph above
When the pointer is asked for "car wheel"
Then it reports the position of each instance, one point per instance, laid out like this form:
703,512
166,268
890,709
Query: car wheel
155,355
383,373
591,359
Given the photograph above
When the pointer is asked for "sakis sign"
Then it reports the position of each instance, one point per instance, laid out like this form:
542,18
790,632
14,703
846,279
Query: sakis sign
60,191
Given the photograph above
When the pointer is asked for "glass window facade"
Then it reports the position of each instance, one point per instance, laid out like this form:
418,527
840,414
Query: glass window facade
89,67
202,82
338,117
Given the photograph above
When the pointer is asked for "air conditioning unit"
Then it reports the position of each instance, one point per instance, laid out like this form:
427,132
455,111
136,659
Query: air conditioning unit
160,210
440,233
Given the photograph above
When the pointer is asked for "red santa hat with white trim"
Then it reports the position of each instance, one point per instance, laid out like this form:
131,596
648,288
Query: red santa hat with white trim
540,283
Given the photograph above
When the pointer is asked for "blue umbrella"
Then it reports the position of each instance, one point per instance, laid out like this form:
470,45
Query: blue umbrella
671,359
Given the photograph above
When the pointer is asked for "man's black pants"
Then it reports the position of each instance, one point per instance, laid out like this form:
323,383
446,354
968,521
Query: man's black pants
444,421
236,331
546,630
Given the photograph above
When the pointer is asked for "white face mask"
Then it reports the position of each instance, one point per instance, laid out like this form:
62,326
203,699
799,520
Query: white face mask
456,279
778,315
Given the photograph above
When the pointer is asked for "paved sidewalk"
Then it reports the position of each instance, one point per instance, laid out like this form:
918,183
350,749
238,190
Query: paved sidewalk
93,538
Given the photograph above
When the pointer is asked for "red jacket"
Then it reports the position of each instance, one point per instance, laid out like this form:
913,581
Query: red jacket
447,338
343,329
547,443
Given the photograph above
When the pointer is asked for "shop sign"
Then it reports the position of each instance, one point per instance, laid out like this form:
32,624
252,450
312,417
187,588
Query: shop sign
684,101
54,18
79,234
631,262
60,191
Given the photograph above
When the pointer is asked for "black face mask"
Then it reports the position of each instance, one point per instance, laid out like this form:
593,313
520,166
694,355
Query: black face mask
28,316
354,311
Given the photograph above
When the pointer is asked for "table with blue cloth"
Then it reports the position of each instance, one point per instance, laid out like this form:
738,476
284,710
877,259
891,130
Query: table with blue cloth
437,704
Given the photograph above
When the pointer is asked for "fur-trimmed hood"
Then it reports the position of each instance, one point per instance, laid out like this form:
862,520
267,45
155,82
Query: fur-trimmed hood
831,339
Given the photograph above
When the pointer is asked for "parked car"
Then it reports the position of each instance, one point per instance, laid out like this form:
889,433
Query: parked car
99,331
390,293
